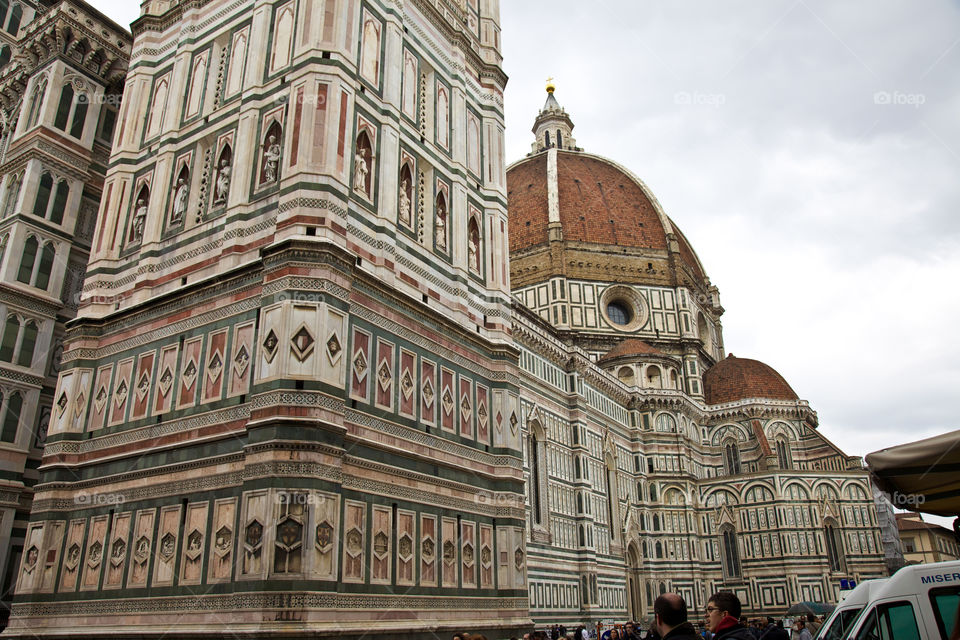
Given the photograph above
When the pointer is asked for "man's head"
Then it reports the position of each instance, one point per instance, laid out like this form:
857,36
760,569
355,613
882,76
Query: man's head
669,611
631,629
721,605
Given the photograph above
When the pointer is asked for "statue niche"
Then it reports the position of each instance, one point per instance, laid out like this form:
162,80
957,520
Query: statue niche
272,153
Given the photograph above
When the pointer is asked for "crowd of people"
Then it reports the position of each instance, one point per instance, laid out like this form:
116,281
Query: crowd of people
722,620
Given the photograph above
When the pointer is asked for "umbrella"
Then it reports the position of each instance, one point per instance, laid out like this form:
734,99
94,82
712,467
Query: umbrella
921,476
816,608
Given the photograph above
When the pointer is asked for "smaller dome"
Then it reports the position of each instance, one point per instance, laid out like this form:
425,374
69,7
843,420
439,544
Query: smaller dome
631,347
734,379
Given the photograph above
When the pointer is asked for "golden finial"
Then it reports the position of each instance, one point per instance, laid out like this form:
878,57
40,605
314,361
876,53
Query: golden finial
551,87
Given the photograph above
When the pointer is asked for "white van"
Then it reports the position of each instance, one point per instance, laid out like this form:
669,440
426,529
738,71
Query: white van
919,602
847,610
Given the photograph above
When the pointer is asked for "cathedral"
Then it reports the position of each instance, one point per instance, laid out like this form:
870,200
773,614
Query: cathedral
338,369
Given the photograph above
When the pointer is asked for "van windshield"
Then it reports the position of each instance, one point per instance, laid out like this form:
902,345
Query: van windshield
946,604
840,624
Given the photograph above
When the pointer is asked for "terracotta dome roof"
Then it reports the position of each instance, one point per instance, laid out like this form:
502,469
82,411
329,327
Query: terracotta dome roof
734,379
631,347
597,203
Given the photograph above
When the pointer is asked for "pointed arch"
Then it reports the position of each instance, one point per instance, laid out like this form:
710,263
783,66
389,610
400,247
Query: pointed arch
442,222
11,418
406,196
44,189
36,104
224,171
64,107
27,260
370,50
47,258
731,457
28,344
282,38
13,194
60,196
159,110
4,8
272,150
5,55
16,16
443,117
11,335
731,552
80,115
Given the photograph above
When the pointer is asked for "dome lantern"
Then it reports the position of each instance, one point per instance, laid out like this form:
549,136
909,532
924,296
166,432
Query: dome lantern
553,128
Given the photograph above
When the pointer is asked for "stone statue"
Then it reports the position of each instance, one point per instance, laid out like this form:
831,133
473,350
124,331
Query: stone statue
180,202
271,160
223,183
139,221
440,228
360,171
405,213
474,253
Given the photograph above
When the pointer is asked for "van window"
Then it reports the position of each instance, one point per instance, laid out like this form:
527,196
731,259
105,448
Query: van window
945,602
894,621
840,624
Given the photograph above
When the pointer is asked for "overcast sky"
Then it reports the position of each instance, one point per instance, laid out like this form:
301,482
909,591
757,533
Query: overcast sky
810,150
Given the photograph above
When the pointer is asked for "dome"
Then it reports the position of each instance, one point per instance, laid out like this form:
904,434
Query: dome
734,379
594,206
631,348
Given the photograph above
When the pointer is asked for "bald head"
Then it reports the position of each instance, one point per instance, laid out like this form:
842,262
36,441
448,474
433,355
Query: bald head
671,610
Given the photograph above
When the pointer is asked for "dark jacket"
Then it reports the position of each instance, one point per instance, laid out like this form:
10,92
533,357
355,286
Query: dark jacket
683,631
736,632
773,632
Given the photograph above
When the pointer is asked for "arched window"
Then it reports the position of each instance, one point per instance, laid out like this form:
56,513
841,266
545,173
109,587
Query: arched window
60,195
546,139
576,467
559,139
11,419
4,7
27,344
653,493
64,107
626,376
4,55
653,376
13,194
13,28
583,538
783,454
659,549
42,203
27,260
731,554
80,115
731,458
579,503
39,93
656,522
11,335
674,379
47,258
704,330
834,546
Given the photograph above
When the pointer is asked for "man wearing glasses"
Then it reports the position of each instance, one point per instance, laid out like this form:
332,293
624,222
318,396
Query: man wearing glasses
723,617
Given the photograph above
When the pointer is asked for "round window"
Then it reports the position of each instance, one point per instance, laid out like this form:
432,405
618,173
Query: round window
619,313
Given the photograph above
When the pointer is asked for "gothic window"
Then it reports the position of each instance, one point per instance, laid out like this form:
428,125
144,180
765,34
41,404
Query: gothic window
473,144
659,549
546,139
238,55
18,346
36,103
11,336
13,194
64,107
731,554
834,545
72,111
370,50
363,165
11,417
653,493
783,454
474,248
656,522
731,458
583,538
28,259
270,163
559,140
198,80
28,344
59,206
443,117
4,8
43,195
410,74
13,27
4,55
